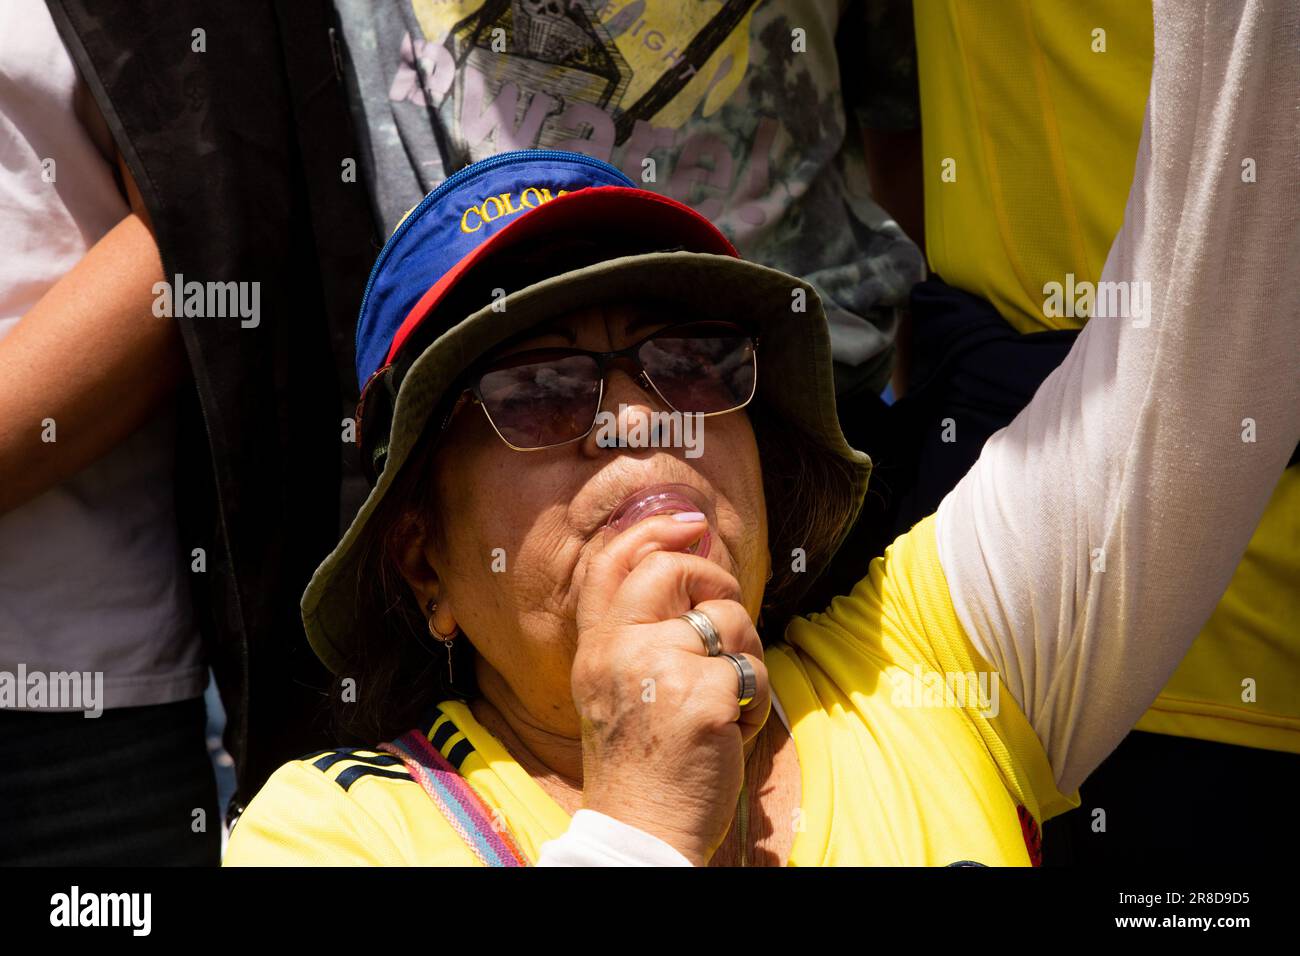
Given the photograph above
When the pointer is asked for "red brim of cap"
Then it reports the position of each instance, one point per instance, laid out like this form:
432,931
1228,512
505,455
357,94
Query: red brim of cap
599,211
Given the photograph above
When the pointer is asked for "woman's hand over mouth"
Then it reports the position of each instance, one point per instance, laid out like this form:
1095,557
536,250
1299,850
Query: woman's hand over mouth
662,732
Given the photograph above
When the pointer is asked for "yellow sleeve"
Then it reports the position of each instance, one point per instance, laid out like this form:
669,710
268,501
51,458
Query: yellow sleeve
303,818
899,623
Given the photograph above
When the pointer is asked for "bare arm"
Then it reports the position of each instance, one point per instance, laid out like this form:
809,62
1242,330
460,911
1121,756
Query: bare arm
90,355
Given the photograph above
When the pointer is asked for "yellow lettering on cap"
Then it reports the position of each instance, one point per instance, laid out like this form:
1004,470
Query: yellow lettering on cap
503,205
464,227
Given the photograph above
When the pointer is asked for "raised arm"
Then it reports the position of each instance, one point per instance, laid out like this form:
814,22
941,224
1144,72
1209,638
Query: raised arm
1094,536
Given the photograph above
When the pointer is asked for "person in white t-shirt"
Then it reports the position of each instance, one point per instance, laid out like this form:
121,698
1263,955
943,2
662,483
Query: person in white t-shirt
107,763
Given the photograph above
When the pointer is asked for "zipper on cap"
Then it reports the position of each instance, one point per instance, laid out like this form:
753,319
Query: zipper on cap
456,179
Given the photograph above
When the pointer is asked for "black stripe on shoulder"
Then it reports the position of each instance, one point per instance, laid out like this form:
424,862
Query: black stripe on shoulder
459,752
428,717
445,731
331,757
352,774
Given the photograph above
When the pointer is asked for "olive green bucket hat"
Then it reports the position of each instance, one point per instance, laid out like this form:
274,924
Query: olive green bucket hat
415,339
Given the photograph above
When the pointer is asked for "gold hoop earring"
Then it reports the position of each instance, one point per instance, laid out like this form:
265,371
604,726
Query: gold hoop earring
447,640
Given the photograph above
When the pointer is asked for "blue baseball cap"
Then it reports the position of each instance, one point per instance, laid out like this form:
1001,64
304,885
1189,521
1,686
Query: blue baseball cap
481,210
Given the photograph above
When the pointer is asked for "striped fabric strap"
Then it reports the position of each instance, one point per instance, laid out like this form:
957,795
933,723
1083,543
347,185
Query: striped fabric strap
456,800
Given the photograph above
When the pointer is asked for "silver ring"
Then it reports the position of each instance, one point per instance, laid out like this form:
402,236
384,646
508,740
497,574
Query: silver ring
748,679
704,627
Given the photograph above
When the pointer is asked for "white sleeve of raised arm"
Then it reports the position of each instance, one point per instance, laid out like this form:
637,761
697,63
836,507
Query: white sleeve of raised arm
595,839
1091,541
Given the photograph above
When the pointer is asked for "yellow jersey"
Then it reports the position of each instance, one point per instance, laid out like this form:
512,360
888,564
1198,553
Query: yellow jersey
910,753
1031,116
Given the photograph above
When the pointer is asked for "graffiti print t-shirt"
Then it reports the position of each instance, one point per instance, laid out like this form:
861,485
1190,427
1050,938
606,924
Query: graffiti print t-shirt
735,107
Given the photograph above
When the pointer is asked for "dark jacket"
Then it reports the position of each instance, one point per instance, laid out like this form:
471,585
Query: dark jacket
237,152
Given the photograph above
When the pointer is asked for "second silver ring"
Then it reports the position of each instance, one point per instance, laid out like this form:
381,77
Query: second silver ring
746,679
704,627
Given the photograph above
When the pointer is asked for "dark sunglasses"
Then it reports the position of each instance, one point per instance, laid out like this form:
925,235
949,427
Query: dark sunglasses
541,398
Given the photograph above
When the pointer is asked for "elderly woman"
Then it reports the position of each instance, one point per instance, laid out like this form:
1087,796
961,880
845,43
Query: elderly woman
578,665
